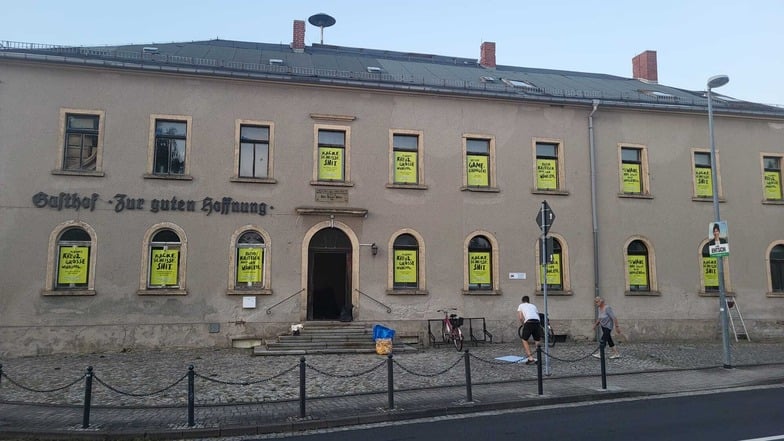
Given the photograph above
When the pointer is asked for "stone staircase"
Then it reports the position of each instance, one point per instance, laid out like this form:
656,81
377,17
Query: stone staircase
327,338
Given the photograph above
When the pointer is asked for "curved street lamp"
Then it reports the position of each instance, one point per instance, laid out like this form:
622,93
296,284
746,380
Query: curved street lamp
714,82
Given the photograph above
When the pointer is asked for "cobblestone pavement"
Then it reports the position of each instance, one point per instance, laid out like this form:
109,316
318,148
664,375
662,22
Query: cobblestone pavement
231,376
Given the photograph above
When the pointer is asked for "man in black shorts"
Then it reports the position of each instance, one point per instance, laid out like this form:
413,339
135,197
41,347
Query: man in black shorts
528,315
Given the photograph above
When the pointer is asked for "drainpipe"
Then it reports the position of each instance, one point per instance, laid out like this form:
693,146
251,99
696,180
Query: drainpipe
594,218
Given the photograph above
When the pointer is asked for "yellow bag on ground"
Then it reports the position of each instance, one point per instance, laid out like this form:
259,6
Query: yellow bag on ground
383,346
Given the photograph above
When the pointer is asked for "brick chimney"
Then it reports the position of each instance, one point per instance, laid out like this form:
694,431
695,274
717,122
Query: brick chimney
644,67
298,43
487,54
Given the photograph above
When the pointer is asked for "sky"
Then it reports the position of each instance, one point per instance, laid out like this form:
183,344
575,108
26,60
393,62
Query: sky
694,39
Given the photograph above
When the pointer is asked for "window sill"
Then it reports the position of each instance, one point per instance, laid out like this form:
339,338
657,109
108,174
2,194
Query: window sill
408,186
249,292
332,183
481,189
634,196
715,293
68,292
407,292
773,202
168,177
88,174
551,292
550,192
642,293
253,180
482,292
162,292
775,295
705,199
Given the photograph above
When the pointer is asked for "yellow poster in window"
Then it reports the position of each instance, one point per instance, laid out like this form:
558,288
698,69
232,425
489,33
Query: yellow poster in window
163,267
72,265
772,185
406,167
553,270
546,176
405,266
330,164
637,268
477,171
479,268
704,182
632,182
249,264
710,272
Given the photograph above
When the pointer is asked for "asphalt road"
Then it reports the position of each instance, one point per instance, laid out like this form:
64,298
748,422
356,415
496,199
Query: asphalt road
753,413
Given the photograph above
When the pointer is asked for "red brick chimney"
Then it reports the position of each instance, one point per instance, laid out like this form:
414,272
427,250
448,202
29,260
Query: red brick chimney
298,43
487,54
644,67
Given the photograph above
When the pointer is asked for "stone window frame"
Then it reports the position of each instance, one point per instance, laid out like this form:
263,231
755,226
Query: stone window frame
644,171
565,275
560,161
270,179
145,262
346,182
52,260
265,288
653,284
420,184
494,263
768,251
154,118
726,267
492,186
694,176
421,288
780,157
61,140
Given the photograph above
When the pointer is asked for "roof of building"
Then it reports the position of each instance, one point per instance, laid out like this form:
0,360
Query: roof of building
381,69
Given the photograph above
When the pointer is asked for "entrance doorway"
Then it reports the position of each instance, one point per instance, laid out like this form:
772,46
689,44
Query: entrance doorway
329,278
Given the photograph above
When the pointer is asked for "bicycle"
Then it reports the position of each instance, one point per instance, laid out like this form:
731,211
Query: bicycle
450,328
550,332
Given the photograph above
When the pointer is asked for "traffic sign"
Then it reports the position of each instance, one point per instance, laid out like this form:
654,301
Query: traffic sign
545,218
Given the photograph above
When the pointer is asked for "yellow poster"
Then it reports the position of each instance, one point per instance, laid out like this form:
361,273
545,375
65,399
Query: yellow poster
330,165
405,266
406,167
249,264
477,170
632,182
637,267
553,270
772,185
710,272
479,268
163,267
702,177
72,266
546,177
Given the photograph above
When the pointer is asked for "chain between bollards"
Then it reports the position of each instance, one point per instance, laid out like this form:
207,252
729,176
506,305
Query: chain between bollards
390,383
191,396
302,387
469,395
88,393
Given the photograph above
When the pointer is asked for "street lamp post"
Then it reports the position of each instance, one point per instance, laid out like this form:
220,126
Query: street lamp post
714,82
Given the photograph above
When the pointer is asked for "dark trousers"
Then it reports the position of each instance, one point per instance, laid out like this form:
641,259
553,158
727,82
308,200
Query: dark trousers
606,337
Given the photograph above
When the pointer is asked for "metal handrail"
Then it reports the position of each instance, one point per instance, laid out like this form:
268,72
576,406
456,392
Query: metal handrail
389,309
269,310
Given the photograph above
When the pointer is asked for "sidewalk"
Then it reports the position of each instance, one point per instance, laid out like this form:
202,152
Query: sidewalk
236,394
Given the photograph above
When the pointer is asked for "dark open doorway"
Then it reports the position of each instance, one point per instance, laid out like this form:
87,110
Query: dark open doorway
329,286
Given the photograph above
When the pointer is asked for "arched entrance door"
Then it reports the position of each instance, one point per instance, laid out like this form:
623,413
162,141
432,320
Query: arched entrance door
329,278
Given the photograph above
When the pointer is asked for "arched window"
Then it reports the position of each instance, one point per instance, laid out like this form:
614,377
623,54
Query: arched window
638,267
406,262
251,261
480,264
73,259
164,260
777,269
710,271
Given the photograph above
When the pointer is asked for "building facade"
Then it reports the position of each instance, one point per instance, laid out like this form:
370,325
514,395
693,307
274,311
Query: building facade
189,195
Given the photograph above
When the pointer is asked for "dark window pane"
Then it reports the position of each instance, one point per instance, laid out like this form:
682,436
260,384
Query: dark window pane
166,236
478,146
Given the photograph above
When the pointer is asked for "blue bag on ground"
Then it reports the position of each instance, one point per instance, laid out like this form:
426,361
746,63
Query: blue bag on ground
380,331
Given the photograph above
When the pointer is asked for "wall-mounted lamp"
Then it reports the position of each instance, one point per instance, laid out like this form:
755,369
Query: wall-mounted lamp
373,247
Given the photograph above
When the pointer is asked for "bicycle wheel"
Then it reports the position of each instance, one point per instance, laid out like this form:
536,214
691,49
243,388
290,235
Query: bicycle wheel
520,332
551,336
445,333
457,339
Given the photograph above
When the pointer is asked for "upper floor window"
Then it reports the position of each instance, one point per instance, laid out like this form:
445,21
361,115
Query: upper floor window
81,142
332,155
164,260
634,170
703,175
479,171
254,151
406,165
771,177
169,146
548,166
71,270
776,269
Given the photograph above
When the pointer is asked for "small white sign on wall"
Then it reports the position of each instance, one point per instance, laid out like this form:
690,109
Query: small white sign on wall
516,276
249,302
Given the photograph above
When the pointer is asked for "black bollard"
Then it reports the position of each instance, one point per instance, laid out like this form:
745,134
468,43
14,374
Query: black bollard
88,393
1,373
390,383
604,367
191,396
302,387
539,369
469,395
